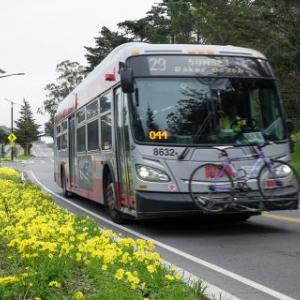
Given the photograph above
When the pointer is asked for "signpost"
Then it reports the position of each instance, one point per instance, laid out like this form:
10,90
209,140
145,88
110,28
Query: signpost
12,138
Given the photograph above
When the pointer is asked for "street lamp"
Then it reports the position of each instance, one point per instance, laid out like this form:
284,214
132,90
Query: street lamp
14,74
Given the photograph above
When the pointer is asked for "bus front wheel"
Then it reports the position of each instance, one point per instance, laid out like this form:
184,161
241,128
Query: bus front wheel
110,200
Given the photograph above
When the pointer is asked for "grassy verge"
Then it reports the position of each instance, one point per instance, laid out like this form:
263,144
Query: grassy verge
25,157
48,253
296,153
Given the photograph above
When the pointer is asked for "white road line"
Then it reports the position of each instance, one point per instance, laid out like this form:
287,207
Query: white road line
190,257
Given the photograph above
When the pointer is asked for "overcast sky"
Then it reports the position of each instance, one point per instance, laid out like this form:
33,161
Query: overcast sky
36,35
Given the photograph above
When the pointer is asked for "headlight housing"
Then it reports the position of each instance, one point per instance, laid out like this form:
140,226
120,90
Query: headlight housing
151,174
282,170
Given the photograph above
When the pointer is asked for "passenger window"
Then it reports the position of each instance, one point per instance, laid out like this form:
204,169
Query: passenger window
58,129
93,135
106,138
58,143
80,116
64,126
105,103
81,139
64,141
92,110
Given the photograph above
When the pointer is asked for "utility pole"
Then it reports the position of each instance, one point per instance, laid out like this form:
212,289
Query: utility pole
12,128
12,106
12,124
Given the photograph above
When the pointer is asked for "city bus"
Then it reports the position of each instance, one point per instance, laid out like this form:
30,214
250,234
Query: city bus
132,132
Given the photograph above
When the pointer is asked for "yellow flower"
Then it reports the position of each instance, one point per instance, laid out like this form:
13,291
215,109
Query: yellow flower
9,279
169,277
37,298
104,267
78,256
151,268
54,284
178,276
119,274
78,295
125,258
132,279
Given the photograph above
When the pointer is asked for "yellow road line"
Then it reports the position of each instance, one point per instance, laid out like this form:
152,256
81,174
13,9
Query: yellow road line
281,217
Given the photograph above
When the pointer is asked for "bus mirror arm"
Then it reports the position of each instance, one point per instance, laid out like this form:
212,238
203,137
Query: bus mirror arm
126,79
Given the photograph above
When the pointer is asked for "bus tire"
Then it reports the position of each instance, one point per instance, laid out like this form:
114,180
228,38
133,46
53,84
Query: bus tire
66,193
110,202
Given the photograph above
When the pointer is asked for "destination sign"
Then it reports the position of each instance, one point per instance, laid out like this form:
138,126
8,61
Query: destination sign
196,65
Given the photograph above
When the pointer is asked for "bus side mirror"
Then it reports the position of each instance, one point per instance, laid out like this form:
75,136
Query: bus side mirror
126,80
289,126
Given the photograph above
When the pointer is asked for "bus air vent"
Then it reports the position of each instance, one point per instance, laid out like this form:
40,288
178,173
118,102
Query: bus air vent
163,51
235,53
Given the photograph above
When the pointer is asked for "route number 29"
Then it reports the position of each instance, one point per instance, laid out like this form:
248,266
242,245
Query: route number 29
157,64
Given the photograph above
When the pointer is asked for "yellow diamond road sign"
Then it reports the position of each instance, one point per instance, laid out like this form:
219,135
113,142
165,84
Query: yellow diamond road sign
12,137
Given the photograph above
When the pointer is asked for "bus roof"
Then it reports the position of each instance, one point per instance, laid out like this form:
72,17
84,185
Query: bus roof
106,74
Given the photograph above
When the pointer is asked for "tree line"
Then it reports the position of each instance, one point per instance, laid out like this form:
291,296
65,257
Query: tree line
26,130
270,26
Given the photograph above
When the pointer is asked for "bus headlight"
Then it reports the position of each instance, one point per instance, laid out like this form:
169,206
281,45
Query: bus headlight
283,170
151,174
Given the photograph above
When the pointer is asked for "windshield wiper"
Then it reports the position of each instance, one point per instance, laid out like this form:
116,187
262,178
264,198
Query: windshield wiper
199,131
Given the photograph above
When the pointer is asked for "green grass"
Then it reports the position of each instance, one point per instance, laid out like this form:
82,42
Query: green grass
296,153
25,157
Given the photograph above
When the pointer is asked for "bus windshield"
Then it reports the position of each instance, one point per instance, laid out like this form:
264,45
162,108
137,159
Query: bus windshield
206,111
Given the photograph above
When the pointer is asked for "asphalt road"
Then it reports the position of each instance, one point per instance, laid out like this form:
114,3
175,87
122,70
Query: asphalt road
264,250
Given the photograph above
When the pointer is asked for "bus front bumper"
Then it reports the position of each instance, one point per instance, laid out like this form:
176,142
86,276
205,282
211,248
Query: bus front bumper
164,204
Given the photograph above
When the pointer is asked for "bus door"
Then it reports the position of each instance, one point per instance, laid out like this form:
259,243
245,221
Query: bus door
122,144
72,150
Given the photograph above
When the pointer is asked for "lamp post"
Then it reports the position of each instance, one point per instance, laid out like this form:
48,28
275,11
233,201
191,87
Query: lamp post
14,74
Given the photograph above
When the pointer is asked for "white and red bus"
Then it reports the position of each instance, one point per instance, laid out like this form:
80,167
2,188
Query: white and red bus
121,136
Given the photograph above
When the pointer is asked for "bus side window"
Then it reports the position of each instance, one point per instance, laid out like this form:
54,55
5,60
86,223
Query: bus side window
64,141
93,135
106,132
58,143
105,104
81,139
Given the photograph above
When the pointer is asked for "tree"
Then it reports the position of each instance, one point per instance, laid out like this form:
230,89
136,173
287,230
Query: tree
70,74
27,130
4,132
105,43
150,121
135,30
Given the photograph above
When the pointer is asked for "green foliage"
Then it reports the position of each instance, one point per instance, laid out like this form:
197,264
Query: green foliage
27,130
296,153
3,139
270,26
70,74
105,43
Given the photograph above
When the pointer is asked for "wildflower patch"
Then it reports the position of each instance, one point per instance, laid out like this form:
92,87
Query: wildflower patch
48,253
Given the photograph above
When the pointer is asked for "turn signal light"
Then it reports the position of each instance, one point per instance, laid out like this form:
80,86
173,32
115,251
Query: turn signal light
110,77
